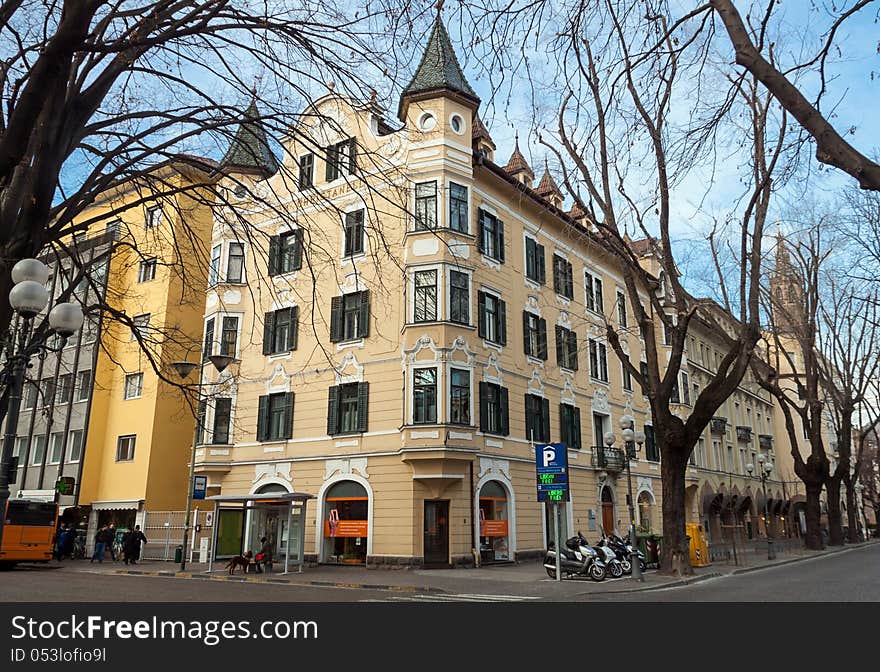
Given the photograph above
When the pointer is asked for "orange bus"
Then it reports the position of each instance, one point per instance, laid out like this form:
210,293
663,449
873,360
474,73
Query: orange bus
28,532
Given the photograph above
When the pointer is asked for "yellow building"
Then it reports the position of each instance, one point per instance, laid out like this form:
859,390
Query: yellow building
140,428
412,318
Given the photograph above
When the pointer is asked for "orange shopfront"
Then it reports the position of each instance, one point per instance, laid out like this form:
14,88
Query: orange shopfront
346,524
494,525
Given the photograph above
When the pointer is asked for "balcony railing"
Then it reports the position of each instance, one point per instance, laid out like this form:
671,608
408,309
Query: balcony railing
718,425
765,441
611,459
744,433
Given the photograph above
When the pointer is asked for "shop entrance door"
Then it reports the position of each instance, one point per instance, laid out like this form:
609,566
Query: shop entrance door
437,533
607,511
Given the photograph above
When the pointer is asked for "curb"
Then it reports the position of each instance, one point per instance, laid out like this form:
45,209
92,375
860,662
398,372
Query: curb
279,580
670,584
820,554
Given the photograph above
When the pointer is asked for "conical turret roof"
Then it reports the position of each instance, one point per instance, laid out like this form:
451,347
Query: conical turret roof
517,163
438,71
249,150
480,132
547,186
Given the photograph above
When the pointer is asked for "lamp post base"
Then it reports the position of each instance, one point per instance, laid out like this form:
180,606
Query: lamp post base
771,552
636,566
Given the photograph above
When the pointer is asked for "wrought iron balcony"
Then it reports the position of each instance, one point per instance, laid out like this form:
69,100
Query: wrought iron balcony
765,441
611,459
744,433
718,425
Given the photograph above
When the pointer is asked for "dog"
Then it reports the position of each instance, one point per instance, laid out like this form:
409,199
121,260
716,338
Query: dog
242,561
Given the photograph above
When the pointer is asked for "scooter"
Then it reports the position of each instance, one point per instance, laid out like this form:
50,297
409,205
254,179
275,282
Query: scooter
624,550
578,559
611,558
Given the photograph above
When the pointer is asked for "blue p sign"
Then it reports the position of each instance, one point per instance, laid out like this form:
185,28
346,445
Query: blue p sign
549,455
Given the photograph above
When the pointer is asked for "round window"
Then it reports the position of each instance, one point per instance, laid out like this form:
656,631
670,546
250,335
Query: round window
457,124
427,121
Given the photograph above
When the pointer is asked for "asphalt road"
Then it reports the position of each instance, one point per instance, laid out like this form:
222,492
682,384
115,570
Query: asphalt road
851,576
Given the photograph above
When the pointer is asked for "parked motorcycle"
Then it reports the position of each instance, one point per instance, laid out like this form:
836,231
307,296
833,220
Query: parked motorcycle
623,549
578,558
611,558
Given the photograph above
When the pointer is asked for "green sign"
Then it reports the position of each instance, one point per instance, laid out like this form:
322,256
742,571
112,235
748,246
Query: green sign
64,485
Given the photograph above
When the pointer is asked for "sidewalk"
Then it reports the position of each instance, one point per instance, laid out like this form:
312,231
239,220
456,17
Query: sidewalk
523,579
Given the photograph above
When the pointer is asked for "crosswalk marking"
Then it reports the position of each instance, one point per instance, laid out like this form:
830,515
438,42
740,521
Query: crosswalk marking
458,597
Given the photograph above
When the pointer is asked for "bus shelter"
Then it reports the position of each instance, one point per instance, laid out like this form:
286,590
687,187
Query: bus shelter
281,516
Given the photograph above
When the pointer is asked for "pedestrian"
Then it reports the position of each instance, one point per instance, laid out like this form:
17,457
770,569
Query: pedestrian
100,544
111,540
265,555
67,542
127,546
133,547
59,541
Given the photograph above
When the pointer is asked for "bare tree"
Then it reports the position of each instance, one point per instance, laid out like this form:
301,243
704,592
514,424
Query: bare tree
755,55
849,361
790,368
104,96
622,66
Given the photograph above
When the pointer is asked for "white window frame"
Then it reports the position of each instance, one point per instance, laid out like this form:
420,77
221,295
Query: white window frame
153,217
590,291
214,273
604,351
218,330
621,294
78,394
410,383
439,201
70,443
139,377
51,448
150,266
133,445
495,345
440,297
225,262
34,452
20,446
448,371
211,411
447,302
137,328
444,222
534,284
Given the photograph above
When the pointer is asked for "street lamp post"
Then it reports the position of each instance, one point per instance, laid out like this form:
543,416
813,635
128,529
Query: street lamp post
764,471
630,438
28,298
183,369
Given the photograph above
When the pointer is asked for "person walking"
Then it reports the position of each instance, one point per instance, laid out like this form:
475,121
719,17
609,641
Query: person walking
111,540
100,544
133,541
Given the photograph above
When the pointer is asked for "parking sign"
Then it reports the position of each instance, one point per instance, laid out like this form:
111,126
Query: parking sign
551,471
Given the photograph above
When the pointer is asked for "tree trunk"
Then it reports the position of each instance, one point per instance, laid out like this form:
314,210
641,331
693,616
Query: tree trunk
877,518
835,525
852,512
813,539
675,552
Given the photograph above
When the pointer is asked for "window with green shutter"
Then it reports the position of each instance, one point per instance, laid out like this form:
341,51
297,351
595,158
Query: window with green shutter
347,408
570,425
275,417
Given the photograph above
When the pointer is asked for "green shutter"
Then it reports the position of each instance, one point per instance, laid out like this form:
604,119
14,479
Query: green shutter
288,415
364,316
560,344
274,255
336,319
542,338
333,411
263,418
541,265
481,216
268,333
363,391
332,160
505,412
352,156
481,314
484,406
297,249
526,348
572,351
502,322
293,330
500,241
576,439
545,417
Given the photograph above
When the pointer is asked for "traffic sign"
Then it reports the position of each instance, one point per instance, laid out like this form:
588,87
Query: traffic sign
551,471
200,487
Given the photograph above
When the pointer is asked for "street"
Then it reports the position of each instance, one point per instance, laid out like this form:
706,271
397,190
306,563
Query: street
848,576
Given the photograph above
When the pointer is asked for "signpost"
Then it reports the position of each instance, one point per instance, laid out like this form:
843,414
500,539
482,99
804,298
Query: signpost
551,473
199,487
